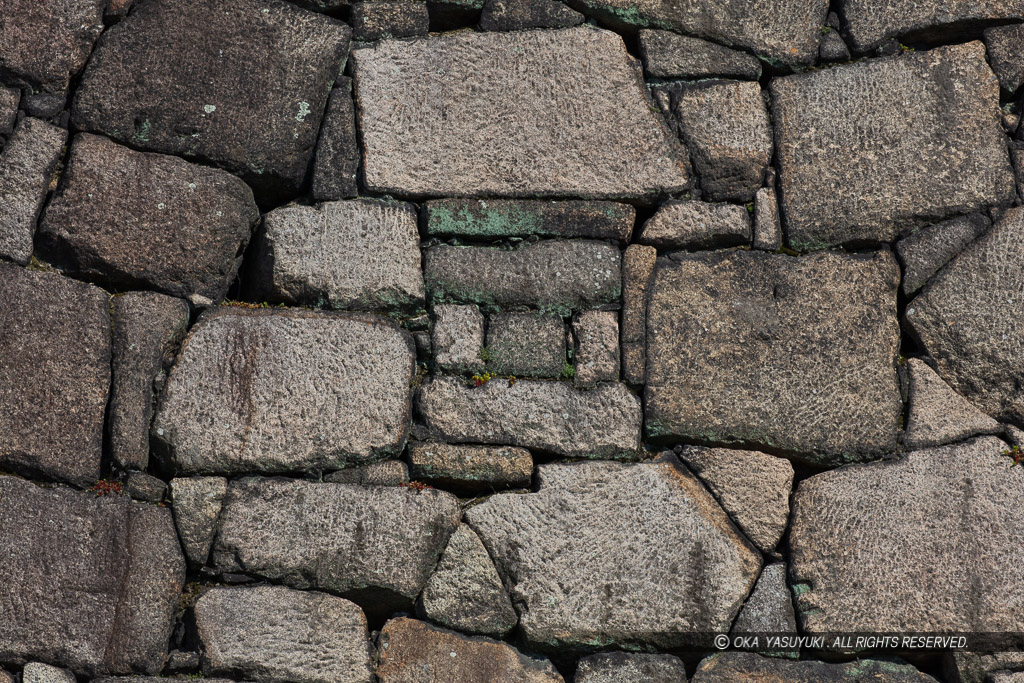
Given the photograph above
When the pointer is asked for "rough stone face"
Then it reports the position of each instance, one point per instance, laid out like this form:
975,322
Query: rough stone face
444,116
412,651
26,164
146,487
465,592
495,218
638,263
973,667
893,509
661,558
752,487
696,225
629,667
46,43
35,672
359,254
833,48
843,134
470,468
769,609
272,633
274,391
670,55
596,347
792,354
924,252
197,503
336,165
1008,677
9,98
559,276
551,417
1006,55
728,667
246,93
389,19
375,545
193,221
937,415
89,583
870,22
458,338
767,224
387,473
147,328
55,375
963,317
526,344
516,15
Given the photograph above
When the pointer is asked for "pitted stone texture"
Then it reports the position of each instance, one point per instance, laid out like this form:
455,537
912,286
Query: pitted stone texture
387,473
1008,677
89,583
630,667
597,347
767,224
833,48
465,592
458,338
272,633
869,23
9,99
526,343
843,134
147,328
375,545
336,166
413,651
389,19
44,673
55,375
670,55
729,667
937,415
1006,53
26,165
924,252
559,276
551,417
845,517
963,317
46,43
359,254
276,391
444,116
470,468
661,558
973,667
246,93
516,15
696,225
769,609
795,354
135,219
145,487
495,218
638,263
197,502
752,487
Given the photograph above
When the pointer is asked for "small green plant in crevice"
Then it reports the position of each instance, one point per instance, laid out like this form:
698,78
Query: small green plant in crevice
511,380
35,264
825,30
750,208
250,304
906,48
485,355
568,371
107,487
480,380
1017,454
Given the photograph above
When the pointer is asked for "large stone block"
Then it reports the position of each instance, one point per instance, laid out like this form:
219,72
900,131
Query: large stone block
336,166
870,22
630,667
670,55
729,667
497,218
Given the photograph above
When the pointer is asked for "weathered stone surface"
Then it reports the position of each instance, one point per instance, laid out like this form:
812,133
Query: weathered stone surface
696,225
26,164
495,218
193,221
661,558
630,667
412,651
9,98
560,276
937,415
843,134
729,667
197,503
336,165
638,263
792,354
833,48
963,317
145,487
147,328
360,254
387,473
526,343
924,252
767,224
246,93
457,338
34,672
769,609
670,55
465,592
893,509
89,583
596,335
272,633
870,22
475,138
752,487
1008,677
1006,53
55,375
972,667
46,43
551,417
515,15
470,468
389,19
274,391
375,545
